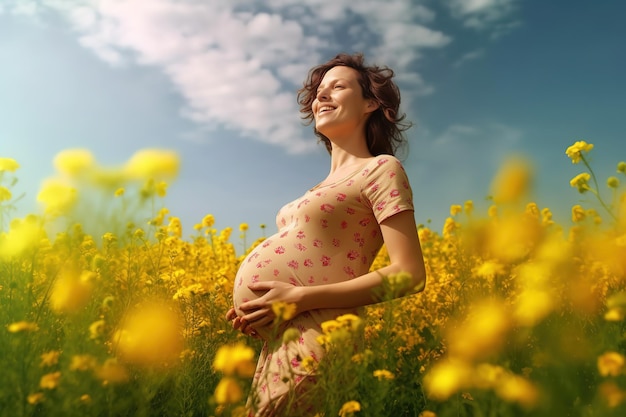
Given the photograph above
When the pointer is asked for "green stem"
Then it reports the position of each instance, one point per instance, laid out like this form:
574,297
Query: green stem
596,191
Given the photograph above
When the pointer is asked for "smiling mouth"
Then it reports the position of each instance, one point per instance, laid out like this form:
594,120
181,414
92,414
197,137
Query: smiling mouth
325,109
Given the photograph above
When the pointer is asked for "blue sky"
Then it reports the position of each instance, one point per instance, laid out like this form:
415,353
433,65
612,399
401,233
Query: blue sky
215,80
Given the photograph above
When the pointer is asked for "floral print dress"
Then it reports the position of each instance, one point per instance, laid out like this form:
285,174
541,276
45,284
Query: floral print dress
330,234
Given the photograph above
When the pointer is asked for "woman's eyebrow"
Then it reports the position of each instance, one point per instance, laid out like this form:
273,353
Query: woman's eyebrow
333,81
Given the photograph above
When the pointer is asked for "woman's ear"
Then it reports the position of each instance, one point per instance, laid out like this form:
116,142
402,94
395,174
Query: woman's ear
372,105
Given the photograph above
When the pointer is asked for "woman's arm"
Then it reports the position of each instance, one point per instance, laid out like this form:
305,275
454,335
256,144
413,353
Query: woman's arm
401,240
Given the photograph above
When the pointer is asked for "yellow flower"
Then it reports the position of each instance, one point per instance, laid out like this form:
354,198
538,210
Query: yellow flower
455,209
578,213
161,189
351,322
243,227
35,398
228,391
468,206
612,182
23,234
5,194
96,329
446,378
514,388
532,306
482,332
57,197
153,164
383,374
611,364
119,192
512,182
82,363
308,363
615,314
489,269
621,167
575,151
284,311
235,359
50,381
427,413
23,326
74,162
175,227
580,182
112,372
449,227
208,220
151,335
611,393
50,358
349,408
492,211
71,291
8,164
290,335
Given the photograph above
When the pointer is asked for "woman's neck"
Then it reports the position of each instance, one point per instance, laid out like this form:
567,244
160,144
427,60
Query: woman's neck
347,156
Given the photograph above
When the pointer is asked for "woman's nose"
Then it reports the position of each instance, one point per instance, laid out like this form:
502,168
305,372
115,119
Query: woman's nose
322,94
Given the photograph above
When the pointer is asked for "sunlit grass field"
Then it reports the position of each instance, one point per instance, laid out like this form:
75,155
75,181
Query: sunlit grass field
109,308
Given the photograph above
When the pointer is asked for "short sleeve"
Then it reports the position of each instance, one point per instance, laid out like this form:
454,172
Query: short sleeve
386,188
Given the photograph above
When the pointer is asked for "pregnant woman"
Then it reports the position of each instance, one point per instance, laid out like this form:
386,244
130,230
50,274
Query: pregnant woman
327,239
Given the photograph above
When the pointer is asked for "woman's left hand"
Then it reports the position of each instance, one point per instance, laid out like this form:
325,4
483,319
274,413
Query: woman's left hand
259,312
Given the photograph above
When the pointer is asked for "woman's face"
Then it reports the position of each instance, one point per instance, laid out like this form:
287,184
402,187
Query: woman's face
339,107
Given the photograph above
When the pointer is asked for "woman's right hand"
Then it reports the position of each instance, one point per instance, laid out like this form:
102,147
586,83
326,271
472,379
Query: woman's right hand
240,324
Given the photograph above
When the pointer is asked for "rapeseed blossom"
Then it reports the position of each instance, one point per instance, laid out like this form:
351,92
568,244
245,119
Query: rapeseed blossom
611,393
151,335
512,182
228,391
575,152
235,360
23,235
5,194
580,182
153,164
8,165
383,375
349,408
57,197
446,378
611,364
74,162
71,291
111,371
50,381
49,358
22,326
283,311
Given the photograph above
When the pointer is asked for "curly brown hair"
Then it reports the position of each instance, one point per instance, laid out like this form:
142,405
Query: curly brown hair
384,131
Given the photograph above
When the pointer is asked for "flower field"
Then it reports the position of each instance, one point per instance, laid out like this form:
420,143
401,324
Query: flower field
109,308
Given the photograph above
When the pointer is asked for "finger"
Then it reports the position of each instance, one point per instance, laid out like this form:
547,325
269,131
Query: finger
237,323
261,286
231,314
261,322
252,305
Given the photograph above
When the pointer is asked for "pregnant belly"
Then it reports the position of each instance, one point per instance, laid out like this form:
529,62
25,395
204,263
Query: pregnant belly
260,266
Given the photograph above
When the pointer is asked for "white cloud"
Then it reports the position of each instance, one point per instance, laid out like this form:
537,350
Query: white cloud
490,15
238,63
469,56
